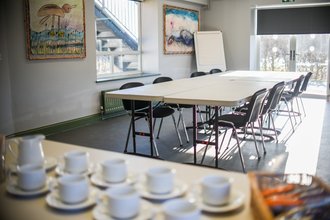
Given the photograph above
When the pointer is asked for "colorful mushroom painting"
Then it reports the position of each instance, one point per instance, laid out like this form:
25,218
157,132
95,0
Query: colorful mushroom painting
56,29
180,24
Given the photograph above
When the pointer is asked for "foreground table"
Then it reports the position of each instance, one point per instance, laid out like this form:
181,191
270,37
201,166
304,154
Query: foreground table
14,207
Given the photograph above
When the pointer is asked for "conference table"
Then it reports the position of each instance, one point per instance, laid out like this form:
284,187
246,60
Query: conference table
35,207
230,89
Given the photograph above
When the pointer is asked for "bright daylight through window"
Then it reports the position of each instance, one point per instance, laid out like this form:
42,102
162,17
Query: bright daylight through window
118,51
302,53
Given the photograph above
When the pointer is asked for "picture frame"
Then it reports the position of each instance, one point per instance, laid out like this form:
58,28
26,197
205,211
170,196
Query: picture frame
55,31
180,24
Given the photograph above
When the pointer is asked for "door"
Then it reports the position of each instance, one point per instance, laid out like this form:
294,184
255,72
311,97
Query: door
302,53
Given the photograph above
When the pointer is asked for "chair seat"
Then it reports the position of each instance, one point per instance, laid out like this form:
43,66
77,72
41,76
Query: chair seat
172,105
162,112
245,108
159,112
238,119
299,93
288,96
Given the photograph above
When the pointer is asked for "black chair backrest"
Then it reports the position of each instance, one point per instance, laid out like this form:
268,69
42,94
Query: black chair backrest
255,106
305,83
195,74
162,79
277,90
273,97
215,71
297,86
138,104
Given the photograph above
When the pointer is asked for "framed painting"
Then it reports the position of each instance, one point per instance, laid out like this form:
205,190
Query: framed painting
180,24
55,29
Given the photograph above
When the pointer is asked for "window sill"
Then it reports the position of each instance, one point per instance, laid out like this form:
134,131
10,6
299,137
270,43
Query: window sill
115,78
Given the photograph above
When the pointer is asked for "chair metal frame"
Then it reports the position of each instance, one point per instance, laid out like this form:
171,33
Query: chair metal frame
303,89
290,97
278,90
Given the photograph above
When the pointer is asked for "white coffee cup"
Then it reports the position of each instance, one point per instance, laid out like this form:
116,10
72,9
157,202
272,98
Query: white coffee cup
30,177
121,201
72,188
181,209
75,161
160,180
114,170
216,189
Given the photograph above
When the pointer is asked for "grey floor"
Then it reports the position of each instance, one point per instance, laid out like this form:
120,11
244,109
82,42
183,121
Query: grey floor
307,150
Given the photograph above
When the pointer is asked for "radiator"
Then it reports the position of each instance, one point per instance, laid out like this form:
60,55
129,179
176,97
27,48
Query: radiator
111,107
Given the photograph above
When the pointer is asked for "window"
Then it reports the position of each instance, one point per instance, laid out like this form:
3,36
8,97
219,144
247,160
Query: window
274,50
118,52
296,39
300,53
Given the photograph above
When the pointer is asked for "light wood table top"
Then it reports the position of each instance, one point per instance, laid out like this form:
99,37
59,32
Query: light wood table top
260,76
229,88
221,93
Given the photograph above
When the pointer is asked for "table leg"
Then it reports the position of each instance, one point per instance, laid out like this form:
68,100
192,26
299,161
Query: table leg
216,135
195,132
151,127
133,125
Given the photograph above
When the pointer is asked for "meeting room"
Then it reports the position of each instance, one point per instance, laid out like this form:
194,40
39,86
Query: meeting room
164,109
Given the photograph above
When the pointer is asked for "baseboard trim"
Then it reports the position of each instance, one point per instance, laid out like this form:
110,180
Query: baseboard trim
66,125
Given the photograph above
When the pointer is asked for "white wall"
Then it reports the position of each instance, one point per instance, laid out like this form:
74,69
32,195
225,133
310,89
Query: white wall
6,119
154,60
36,93
180,65
232,17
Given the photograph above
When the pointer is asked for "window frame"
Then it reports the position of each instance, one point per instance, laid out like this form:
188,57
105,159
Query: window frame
119,75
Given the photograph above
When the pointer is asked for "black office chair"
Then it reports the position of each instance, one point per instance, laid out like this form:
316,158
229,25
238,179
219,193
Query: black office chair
142,111
304,88
290,97
195,74
277,91
236,120
215,71
207,110
269,107
179,107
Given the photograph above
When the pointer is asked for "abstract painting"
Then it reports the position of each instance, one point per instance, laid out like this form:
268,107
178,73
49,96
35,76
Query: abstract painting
180,24
55,29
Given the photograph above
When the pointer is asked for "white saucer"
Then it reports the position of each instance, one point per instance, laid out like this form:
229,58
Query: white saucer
161,216
236,200
60,171
98,180
12,188
54,201
49,163
179,189
146,212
